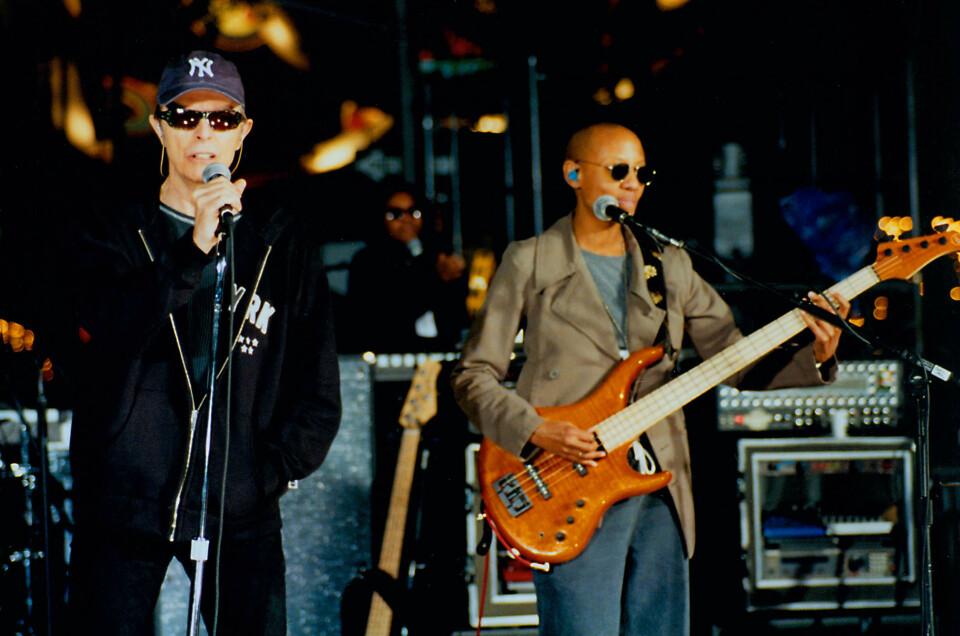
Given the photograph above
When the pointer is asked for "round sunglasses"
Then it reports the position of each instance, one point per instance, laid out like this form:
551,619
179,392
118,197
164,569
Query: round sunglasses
619,172
185,119
395,213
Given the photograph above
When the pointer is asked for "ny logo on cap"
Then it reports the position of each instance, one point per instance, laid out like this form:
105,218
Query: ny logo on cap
201,66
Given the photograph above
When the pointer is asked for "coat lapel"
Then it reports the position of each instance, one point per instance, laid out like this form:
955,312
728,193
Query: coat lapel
643,316
576,299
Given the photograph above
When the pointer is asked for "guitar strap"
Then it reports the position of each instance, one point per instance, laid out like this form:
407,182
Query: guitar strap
652,255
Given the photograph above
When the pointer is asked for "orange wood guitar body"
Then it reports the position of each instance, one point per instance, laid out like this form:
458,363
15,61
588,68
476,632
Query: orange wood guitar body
556,529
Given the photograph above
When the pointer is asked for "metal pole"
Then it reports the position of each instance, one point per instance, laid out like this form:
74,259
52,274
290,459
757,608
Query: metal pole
406,94
536,161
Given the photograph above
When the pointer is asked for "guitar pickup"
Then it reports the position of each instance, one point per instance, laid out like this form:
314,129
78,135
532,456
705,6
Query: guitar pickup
537,480
512,495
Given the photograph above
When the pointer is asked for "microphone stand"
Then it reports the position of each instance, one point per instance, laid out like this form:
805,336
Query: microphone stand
43,442
919,384
200,546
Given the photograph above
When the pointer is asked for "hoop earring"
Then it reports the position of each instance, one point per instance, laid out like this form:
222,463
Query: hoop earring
239,157
162,151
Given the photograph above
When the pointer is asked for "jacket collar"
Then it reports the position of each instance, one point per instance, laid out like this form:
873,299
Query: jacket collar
558,261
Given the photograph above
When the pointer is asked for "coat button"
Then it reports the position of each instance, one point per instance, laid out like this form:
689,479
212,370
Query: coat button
553,374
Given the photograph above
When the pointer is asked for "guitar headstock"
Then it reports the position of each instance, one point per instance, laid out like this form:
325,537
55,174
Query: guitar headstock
19,339
904,258
420,404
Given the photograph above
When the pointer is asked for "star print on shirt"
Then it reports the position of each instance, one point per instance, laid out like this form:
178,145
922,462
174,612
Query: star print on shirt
248,345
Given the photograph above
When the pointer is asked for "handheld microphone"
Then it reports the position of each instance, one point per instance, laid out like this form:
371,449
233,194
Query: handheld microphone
210,173
606,209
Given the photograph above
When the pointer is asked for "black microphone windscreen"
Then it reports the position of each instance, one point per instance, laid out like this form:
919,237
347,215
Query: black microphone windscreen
215,170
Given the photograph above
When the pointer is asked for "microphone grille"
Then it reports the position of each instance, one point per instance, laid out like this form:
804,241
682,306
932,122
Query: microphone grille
600,206
215,170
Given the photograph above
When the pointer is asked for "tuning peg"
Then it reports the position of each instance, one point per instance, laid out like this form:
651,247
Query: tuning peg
895,225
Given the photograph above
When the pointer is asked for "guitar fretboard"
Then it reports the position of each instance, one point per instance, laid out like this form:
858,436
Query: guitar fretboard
624,426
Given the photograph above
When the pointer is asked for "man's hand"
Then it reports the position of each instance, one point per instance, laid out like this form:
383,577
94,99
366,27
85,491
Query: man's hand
567,441
826,336
208,198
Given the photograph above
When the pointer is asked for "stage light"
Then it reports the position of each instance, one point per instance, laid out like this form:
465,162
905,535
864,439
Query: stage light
603,96
624,89
496,124
360,127
244,26
75,118
73,7
670,5
330,155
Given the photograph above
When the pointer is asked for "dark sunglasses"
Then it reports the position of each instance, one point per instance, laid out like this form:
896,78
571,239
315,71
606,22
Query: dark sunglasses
619,172
396,213
179,117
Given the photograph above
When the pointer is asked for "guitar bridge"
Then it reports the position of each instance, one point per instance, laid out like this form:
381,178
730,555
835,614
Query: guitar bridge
512,495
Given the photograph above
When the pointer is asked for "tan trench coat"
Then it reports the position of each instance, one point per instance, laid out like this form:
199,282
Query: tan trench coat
571,346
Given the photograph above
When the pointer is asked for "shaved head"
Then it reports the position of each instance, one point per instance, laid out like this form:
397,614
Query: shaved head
582,141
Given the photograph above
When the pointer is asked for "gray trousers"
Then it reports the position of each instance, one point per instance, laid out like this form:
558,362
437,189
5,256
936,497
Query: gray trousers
632,578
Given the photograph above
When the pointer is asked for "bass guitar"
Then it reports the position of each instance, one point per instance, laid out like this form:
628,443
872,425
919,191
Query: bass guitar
419,407
546,509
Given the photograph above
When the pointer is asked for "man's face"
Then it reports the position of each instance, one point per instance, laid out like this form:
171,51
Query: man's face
191,150
609,147
402,220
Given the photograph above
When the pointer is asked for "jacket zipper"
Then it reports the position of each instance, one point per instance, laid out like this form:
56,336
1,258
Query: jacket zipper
195,407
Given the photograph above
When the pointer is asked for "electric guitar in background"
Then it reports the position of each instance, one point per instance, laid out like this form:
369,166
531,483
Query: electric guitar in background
419,407
546,509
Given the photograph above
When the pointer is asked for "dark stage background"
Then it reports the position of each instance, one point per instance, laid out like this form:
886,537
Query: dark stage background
849,105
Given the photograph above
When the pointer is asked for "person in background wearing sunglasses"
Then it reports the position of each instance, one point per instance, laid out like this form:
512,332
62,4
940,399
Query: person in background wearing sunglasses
142,286
587,292
406,291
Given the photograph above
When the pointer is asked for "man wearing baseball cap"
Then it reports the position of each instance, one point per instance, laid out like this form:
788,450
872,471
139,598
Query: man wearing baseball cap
143,283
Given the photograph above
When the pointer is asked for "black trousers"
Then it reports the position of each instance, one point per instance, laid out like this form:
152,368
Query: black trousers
115,578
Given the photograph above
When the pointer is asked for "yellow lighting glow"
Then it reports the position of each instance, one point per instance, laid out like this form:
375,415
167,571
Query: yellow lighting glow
496,124
360,128
670,5
282,38
624,89
78,122
244,26
73,7
603,97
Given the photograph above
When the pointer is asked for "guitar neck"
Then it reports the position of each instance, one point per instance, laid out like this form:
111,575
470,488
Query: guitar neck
392,547
626,425
380,617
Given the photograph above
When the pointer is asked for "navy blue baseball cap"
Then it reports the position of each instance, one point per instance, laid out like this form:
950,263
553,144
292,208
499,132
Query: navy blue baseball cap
199,71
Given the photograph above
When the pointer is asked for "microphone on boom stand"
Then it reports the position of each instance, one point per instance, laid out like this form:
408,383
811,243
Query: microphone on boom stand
606,209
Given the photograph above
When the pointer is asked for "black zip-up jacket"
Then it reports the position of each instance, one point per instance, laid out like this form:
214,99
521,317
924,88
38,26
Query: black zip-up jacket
139,431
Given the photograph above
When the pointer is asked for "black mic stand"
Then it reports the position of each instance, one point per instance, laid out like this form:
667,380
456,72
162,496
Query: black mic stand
919,387
200,546
43,443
